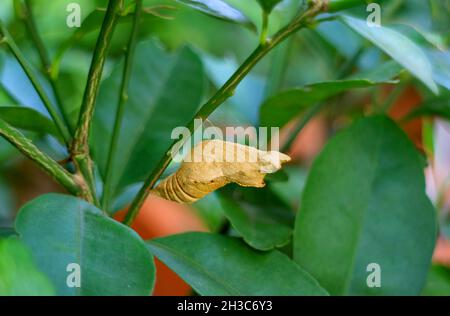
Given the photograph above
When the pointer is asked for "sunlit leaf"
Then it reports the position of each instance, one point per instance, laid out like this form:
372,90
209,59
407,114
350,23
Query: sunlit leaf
399,47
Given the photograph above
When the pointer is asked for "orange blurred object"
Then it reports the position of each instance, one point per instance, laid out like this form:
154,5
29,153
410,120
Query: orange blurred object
159,218
442,252
408,100
309,142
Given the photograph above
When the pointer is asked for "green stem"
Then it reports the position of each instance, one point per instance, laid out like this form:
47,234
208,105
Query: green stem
80,148
264,28
123,97
24,145
30,23
62,128
225,92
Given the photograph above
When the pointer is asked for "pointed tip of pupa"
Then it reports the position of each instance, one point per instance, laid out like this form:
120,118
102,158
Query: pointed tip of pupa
273,161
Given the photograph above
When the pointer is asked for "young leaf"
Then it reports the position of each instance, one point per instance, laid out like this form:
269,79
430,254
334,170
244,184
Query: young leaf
18,274
62,230
399,47
365,203
268,5
28,119
219,9
219,265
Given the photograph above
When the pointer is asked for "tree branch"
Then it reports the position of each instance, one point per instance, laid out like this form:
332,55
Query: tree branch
80,148
24,145
123,97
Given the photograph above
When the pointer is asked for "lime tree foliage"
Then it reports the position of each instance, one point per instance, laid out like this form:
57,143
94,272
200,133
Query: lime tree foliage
94,107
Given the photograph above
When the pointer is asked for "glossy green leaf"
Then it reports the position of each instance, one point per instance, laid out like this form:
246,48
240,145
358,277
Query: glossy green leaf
268,5
438,282
399,47
262,219
219,265
218,9
441,67
28,119
435,107
365,202
62,230
18,273
165,92
283,107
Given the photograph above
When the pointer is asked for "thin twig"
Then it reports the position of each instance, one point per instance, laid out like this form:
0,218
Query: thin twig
24,145
123,98
80,148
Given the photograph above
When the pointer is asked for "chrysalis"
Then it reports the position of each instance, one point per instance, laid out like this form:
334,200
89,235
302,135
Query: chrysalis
213,164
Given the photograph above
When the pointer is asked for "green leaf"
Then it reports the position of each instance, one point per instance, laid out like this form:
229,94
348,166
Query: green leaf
441,67
289,191
438,282
7,201
365,202
210,211
219,9
18,274
165,92
258,215
399,47
268,5
62,230
283,107
219,265
435,107
28,119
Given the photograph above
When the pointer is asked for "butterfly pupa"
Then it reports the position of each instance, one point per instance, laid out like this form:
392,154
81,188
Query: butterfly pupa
213,164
